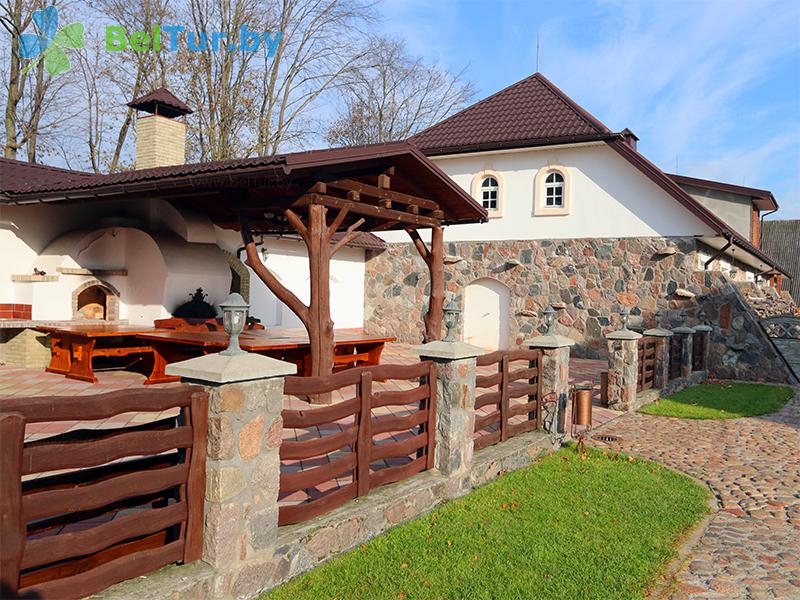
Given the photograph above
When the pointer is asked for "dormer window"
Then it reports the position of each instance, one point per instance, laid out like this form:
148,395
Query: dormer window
489,191
487,188
554,190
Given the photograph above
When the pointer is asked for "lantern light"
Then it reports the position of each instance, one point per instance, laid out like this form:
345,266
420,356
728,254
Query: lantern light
549,316
234,317
451,315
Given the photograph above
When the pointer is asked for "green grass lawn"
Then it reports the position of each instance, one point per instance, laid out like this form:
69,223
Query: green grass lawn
722,401
567,527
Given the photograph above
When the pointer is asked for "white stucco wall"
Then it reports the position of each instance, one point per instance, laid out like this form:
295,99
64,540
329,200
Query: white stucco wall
288,261
734,209
608,197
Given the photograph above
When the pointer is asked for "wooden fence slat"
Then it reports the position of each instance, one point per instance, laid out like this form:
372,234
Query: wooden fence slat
386,423
298,450
312,417
392,474
50,549
41,505
107,574
113,446
12,523
430,426
518,391
488,439
399,449
287,515
487,381
487,399
300,480
402,398
482,421
196,480
491,358
364,443
527,373
504,399
100,406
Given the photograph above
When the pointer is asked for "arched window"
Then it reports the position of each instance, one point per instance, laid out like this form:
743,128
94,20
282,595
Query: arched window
489,193
554,190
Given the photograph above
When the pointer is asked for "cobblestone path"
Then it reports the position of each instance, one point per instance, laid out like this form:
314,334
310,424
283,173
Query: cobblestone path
751,549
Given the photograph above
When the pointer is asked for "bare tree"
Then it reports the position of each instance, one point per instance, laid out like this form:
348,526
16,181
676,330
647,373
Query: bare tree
323,40
392,96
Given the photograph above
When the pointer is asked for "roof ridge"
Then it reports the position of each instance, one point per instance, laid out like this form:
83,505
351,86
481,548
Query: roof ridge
474,105
571,104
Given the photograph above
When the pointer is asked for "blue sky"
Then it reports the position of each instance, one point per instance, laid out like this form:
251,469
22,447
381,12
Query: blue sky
714,85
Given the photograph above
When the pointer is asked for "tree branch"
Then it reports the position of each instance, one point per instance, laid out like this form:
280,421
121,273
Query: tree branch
281,292
421,247
351,234
337,222
297,223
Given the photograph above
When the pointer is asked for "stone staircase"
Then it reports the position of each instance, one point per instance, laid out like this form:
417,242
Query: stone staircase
784,332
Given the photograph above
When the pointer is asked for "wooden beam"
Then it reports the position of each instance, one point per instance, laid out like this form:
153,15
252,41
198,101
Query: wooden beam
368,210
383,194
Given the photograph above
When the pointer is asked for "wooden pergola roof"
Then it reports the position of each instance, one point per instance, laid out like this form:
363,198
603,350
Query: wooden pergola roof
390,186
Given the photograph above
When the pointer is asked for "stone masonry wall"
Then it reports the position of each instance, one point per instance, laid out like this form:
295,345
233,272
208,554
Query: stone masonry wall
591,279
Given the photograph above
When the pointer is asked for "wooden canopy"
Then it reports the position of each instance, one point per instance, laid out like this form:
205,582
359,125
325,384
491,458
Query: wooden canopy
327,197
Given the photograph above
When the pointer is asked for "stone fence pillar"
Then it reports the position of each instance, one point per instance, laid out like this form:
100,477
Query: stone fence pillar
662,355
705,331
623,369
686,334
455,409
243,465
555,374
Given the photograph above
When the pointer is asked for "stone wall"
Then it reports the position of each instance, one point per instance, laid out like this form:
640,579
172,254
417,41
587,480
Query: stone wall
592,279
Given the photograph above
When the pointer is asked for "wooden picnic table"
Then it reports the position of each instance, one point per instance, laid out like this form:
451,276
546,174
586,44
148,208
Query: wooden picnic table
351,348
73,347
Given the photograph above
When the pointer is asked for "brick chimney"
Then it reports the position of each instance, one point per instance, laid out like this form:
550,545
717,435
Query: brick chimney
161,133
629,137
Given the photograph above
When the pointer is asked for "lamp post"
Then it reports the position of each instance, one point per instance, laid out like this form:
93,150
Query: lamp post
451,312
234,317
624,314
549,316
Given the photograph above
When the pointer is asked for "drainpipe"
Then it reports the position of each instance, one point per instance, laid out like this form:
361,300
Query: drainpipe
718,254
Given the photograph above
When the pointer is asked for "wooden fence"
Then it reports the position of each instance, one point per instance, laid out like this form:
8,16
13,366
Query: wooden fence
699,351
675,356
508,398
58,495
647,363
351,449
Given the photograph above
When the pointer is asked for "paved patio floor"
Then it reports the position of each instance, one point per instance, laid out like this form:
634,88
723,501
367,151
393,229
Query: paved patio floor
751,549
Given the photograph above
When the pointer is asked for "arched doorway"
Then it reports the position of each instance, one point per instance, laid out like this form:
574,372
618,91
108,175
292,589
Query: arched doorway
486,303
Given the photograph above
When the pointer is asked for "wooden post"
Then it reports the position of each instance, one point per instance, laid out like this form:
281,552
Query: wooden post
504,401
434,259
364,442
12,524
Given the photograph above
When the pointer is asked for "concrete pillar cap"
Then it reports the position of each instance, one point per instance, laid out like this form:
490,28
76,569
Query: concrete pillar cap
219,368
447,350
624,334
658,332
683,330
549,341
704,328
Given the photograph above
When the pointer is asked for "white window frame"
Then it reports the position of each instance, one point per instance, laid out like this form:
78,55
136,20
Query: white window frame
540,207
477,191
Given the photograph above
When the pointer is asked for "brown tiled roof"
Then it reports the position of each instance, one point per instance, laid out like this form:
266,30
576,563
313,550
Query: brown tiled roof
19,174
528,113
763,199
368,241
162,102
782,240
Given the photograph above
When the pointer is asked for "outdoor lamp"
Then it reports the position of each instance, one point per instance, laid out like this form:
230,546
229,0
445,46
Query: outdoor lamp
623,317
234,317
451,312
549,316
